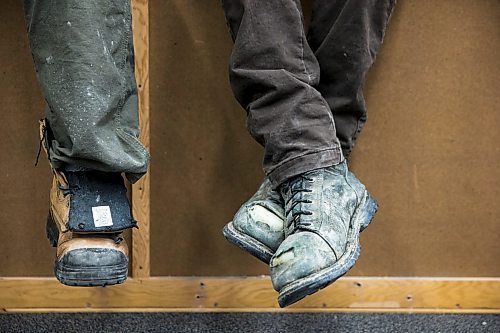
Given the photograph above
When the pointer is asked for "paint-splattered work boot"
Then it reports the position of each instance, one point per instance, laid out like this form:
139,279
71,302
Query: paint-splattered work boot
258,226
88,211
325,211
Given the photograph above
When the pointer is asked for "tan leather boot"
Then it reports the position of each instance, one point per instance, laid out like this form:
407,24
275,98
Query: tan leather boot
88,211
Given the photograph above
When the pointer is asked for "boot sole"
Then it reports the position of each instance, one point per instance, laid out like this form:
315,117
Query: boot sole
308,285
96,276
247,243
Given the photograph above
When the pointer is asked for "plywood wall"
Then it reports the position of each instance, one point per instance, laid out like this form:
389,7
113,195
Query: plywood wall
429,153
24,188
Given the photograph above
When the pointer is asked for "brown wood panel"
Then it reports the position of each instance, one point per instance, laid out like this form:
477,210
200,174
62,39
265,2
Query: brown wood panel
24,249
255,294
429,152
204,164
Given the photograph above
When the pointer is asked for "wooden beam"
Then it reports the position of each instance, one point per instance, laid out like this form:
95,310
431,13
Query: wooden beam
140,190
255,293
260,310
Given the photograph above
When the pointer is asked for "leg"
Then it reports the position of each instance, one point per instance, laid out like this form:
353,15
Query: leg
345,36
327,208
83,55
273,73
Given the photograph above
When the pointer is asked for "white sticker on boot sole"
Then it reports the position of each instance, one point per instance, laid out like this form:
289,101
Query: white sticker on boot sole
102,216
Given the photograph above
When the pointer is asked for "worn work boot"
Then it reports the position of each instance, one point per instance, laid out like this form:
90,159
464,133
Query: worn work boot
88,211
258,226
325,211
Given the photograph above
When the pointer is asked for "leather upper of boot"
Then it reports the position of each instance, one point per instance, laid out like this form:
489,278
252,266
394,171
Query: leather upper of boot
262,217
319,206
70,241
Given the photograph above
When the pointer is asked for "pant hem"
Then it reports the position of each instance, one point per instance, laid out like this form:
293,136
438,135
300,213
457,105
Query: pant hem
304,163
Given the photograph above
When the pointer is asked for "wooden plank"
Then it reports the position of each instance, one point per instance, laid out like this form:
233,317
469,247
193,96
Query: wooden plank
140,190
256,293
260,310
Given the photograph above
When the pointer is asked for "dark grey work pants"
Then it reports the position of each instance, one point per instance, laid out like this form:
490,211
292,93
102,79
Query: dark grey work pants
83,54
303,94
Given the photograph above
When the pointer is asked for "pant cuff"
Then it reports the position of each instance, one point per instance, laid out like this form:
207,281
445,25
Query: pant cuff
304,163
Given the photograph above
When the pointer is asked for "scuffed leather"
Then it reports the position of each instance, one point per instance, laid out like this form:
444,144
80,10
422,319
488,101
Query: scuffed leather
59,203
262,217
316,238
69,241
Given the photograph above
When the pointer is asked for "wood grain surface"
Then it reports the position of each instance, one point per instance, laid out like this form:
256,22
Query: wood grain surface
140,190
256,293
429,152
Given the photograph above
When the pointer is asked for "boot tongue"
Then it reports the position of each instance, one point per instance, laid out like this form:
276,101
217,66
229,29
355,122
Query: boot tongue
98,202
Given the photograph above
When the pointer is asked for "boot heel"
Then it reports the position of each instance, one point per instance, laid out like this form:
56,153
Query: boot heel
368,208
52,231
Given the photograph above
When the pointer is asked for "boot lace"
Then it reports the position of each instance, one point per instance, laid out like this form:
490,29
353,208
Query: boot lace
67,190
296,220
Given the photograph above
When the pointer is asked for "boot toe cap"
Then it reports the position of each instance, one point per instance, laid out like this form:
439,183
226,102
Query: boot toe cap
93,257
299,256
262,222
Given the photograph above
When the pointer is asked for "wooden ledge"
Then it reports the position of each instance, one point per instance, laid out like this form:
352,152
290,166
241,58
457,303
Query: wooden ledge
359,294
